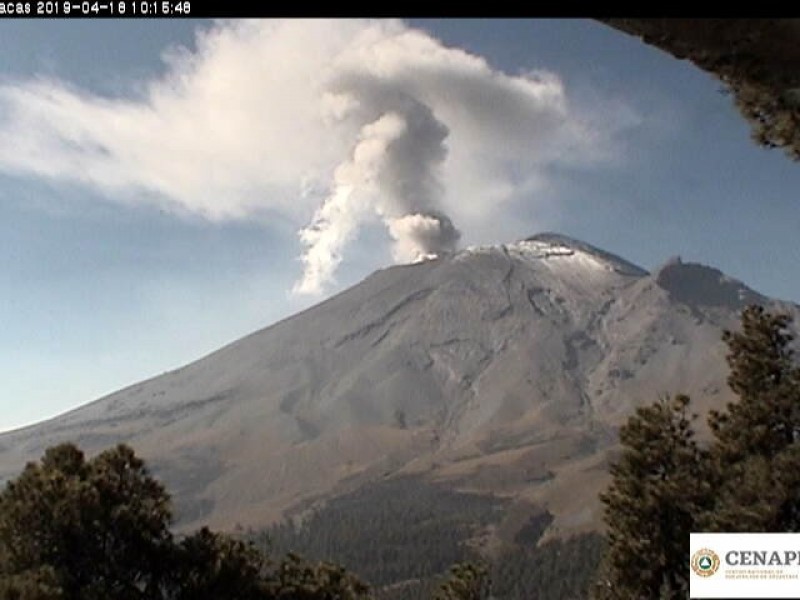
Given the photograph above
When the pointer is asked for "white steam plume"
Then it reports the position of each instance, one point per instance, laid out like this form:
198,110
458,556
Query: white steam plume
355,183
394,169
377,120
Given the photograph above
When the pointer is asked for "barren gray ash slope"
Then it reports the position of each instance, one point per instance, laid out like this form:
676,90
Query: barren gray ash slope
503,369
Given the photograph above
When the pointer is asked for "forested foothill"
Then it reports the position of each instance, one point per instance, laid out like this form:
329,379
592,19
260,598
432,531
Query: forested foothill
78,528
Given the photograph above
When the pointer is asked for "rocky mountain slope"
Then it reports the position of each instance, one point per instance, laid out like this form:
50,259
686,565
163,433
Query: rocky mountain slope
502,369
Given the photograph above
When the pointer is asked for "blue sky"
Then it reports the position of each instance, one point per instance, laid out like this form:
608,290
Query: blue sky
153,183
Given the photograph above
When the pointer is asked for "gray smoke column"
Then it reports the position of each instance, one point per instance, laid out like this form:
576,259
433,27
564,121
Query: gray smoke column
422,236
394,172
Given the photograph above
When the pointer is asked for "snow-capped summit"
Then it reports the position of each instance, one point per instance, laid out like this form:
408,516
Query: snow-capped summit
562,243
570,252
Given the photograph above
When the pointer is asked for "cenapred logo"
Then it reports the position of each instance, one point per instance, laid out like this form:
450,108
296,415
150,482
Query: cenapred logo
705,562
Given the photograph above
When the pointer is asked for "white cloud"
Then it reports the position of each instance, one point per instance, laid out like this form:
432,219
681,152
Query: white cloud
329,124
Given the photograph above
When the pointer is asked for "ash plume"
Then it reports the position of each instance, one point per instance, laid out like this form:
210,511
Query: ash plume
322,126
394,173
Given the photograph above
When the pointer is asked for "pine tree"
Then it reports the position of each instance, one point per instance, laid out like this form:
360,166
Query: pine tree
756,449
467,581
297,579
77,529
766,417
209,566
664,486
89,529
657,490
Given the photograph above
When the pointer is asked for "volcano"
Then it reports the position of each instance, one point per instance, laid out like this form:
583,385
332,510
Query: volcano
503,369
